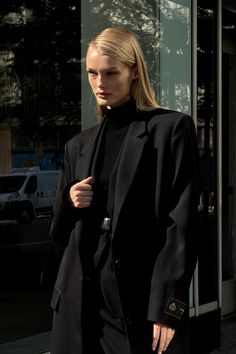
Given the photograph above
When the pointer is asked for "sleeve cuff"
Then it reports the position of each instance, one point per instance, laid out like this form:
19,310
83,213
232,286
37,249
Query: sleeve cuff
175,308
170,314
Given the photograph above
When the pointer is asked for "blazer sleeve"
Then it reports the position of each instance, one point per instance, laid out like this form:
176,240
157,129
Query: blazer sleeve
177,260
64,214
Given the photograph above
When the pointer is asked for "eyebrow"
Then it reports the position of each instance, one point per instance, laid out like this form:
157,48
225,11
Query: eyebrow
108,69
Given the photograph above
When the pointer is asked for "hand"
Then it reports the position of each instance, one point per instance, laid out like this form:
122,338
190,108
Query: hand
163,335
81,193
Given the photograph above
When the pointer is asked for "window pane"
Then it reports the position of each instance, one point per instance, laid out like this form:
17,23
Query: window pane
175,55
39,111
164,30
206,123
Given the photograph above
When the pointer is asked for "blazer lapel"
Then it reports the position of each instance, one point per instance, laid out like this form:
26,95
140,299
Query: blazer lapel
85,166
134,143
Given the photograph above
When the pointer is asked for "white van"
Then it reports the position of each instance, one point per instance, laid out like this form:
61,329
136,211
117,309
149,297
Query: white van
26,192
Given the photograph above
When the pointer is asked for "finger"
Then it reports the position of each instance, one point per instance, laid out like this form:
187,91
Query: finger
169,337
155,336
165,338
82,193
84,184
162,340
83,198
88,180
82,205
78,198
82,201
81,187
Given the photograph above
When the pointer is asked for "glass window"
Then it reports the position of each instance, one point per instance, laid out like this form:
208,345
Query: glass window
45,99
31,185
164,30
175,55
229,138
206,123
39,111
9,184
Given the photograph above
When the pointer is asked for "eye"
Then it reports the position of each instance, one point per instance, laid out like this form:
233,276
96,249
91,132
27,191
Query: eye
111,73
92,74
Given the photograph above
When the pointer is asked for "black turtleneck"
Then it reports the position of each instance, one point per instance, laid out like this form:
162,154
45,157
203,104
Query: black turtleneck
116,125
118,121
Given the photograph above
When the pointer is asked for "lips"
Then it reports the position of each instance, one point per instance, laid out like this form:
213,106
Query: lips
102,95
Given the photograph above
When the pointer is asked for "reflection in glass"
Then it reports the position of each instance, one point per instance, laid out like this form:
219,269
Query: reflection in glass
39,111
164,30
229,146
206,122
9,184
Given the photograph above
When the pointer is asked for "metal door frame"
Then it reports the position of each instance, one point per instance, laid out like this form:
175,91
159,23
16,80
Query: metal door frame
197,309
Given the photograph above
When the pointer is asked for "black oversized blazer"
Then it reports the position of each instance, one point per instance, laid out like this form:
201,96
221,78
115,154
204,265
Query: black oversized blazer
153,239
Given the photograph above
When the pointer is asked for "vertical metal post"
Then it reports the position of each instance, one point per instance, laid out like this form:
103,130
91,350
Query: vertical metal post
194,60
194,116
219,143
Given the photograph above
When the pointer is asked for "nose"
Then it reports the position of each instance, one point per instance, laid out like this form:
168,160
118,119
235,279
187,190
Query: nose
101,81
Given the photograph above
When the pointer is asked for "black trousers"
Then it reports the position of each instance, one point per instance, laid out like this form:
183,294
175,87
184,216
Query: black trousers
103,332
104,329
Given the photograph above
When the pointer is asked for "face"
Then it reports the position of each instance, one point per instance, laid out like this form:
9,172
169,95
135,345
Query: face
110,79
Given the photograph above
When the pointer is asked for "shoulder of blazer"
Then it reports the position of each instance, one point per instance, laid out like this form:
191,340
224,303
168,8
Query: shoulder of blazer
80,139
163,124
164,119
162,115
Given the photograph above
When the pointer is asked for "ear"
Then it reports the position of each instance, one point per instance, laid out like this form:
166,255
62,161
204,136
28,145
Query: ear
135,74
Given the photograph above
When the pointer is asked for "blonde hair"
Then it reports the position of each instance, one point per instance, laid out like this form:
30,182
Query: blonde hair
122,45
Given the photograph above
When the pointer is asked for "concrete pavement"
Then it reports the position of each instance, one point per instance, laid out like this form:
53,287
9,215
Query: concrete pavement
228,336
39,344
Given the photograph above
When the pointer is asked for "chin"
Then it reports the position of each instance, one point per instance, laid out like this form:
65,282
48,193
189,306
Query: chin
103,103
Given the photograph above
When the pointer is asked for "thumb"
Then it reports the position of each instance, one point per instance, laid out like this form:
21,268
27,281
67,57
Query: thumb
88,180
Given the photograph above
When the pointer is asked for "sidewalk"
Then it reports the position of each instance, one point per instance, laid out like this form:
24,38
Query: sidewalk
39,344
228,336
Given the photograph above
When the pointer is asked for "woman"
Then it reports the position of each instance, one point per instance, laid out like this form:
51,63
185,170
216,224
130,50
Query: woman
125,213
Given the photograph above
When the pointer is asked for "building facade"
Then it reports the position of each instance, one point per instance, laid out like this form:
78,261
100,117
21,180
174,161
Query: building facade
190,48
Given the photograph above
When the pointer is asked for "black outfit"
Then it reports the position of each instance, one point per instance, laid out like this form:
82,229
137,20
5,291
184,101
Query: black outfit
137,272
108,329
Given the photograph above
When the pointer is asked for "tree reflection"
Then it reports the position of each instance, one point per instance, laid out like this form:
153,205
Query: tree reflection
39,64
164,30
40,56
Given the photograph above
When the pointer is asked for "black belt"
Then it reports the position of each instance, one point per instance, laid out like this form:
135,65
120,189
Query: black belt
103,244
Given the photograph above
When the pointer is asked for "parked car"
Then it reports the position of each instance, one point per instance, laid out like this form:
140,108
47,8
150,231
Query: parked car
24,193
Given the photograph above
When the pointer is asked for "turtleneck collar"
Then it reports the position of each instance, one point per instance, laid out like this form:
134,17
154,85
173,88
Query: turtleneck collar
122,115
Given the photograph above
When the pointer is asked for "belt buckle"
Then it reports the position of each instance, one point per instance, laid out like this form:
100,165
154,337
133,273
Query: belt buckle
106,224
